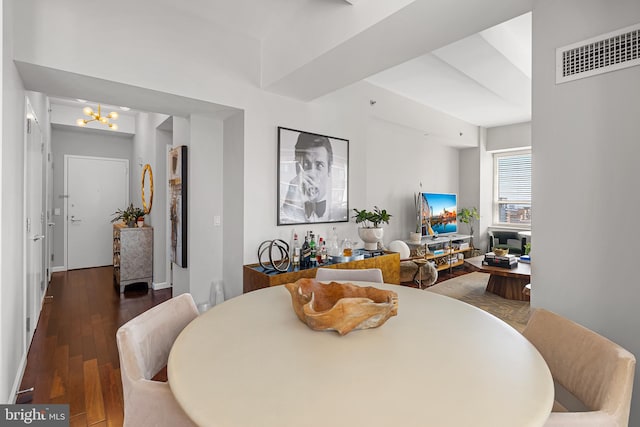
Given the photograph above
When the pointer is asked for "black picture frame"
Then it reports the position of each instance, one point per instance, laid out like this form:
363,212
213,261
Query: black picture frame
313,178
178,203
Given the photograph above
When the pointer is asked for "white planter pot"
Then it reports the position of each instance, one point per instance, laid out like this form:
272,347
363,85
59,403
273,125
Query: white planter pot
415,237
371,237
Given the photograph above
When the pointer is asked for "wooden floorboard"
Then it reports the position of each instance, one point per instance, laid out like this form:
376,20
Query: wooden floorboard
73,357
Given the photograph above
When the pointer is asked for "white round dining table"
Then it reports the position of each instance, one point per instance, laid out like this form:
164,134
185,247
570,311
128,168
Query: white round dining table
440,362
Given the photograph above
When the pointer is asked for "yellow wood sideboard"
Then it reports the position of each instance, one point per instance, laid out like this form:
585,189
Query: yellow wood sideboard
254,278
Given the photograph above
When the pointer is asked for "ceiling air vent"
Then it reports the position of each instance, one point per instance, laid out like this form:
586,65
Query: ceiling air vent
601,54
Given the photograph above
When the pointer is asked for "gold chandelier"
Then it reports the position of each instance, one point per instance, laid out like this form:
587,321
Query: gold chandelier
97,116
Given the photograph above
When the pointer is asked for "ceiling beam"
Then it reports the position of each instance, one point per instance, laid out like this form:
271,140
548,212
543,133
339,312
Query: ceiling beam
420,27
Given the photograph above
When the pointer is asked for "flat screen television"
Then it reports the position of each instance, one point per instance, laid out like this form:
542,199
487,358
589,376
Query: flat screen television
439,213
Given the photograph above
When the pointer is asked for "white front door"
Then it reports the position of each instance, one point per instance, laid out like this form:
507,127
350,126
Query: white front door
34,222
94,188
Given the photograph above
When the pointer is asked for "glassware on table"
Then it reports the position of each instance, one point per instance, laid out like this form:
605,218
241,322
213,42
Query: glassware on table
347,248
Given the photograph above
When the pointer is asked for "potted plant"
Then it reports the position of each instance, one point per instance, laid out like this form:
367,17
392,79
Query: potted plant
370,232
140,213
469,216
129,216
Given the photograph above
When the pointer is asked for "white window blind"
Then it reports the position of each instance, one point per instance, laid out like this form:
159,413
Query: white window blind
512,194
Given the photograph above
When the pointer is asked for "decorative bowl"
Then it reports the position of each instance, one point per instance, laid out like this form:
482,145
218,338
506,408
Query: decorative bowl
500,252
342,307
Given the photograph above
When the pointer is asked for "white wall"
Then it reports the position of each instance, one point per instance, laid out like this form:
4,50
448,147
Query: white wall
150,147
476,187
397,161
12,334
509,137
205,204
486,191
469,189
585,184
159,216
81,142
233,172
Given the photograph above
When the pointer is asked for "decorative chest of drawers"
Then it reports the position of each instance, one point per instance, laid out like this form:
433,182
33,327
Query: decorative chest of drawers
132,255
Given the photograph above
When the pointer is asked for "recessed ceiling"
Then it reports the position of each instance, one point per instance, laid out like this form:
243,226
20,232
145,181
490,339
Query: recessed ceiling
484,79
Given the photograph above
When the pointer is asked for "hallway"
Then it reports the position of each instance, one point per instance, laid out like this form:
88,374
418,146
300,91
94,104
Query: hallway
73,357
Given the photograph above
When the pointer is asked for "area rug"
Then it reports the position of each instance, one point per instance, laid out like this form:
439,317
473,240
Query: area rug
470,288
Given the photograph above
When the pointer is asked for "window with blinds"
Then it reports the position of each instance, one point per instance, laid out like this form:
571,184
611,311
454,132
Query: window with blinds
512,192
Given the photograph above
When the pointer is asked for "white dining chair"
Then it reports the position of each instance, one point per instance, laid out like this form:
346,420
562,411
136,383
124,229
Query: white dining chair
593,376
144,343
359,274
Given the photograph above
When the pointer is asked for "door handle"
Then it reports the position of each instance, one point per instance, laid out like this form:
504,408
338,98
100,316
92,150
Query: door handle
51,224
74,219
38,237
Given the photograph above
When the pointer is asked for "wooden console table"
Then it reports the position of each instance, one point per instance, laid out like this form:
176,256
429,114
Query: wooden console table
506,282
254,278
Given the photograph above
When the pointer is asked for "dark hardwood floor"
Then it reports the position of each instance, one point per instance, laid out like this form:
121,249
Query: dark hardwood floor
73,357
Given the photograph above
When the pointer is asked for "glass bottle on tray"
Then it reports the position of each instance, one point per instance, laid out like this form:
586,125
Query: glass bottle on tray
295,250
347,248
305,254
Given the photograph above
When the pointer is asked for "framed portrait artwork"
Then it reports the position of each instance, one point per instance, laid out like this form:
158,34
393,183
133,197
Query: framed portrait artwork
178,204
313,178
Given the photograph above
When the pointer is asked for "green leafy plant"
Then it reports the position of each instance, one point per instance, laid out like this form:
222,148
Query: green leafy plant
366,218
128,215
469,216
527,248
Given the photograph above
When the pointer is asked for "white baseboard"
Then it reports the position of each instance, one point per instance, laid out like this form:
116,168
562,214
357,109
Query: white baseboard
161,285
18,379
59,268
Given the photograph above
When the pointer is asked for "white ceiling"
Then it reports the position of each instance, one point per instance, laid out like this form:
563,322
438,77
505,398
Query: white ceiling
482,78
256,19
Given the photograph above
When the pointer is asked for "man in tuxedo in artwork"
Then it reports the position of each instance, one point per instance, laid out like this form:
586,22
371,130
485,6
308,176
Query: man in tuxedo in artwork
307,198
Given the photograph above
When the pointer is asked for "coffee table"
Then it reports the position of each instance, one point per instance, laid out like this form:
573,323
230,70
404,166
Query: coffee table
508,283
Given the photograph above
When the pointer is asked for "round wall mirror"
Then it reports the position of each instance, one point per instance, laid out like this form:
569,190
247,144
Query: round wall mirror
147,183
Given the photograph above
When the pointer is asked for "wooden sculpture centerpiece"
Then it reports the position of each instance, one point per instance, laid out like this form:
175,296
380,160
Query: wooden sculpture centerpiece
342,307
